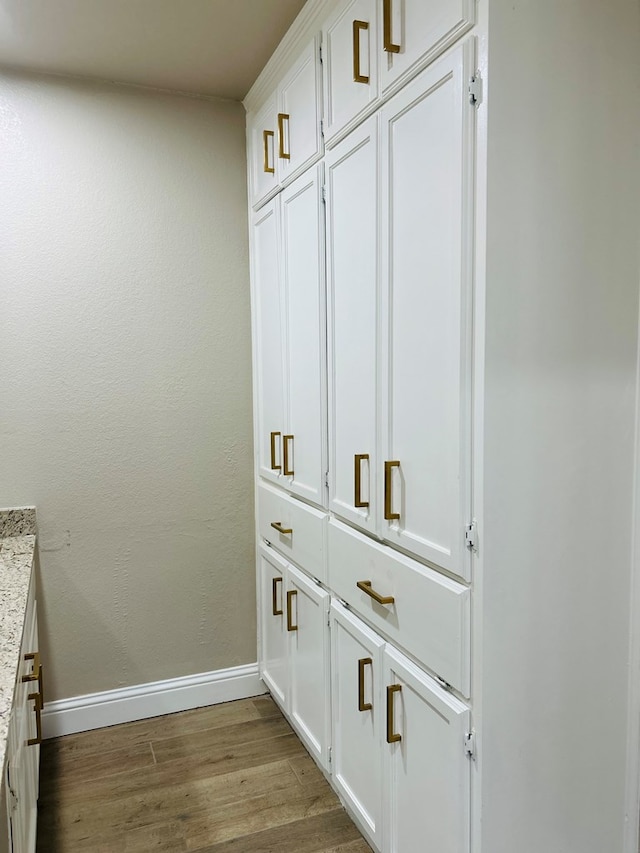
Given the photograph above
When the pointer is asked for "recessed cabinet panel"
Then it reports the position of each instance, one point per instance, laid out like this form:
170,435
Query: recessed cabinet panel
414,32
263,127
269,340
350,64
304,443
307,608
352,278
426,771
429,616
299,137
273,629
425,150
358,717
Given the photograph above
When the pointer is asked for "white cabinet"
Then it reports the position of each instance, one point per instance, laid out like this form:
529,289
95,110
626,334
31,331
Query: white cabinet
294,658
290,346
398,213
284,135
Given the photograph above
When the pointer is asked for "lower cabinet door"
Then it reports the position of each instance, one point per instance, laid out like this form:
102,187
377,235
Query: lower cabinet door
307,610
357,717
426,772
273,628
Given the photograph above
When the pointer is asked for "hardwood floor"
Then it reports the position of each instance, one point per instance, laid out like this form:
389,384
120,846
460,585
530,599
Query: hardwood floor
232,777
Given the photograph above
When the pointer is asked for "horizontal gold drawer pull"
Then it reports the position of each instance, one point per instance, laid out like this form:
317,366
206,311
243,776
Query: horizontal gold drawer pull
365,586
277,525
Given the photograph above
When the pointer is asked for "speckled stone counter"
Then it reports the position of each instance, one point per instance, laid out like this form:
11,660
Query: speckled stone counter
17,550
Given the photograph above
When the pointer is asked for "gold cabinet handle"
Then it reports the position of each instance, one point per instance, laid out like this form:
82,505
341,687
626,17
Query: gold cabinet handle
277,525
37,699
288,472
392,736
388,468
290,595
389,46
34,675
274,467
365,586
284,155
362,705
266,134
274,597
357,498
358,26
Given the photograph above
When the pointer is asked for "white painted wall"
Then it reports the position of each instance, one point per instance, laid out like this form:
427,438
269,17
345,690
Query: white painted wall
562,278
125,390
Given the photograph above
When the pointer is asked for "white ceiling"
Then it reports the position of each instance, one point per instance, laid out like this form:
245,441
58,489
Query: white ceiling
210,47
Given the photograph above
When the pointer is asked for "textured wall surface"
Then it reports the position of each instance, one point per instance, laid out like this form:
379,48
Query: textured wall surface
125,389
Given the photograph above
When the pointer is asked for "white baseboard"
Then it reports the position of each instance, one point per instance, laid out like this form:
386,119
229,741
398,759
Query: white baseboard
96,710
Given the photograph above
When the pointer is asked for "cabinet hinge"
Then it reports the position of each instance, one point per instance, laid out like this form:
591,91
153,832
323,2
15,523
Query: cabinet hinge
322,128
326,473
320,52
470,745
471,536
329,755
444,684
475,89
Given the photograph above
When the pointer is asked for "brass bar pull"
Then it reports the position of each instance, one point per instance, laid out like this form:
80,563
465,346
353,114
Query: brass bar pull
274,467
389,46
290,595
34,675
266,134
365,586
37,698
358,26
288,472
362,705
277,525
392,736
284,155
274,597
388,512
357,499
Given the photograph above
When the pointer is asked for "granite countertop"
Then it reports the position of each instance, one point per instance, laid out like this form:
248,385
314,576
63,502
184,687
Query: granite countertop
17,549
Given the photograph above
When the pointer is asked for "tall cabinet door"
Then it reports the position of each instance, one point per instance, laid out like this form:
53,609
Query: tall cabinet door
427,774
273,626
358,716
350,63
307,606
269,340
426,141
352,282
304,443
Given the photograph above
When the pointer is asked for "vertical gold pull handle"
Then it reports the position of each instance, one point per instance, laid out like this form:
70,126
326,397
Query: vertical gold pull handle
266,135
357,498
290,594
274,467
284,155
389,46
274,597
37,699
288,472
358,26
388,468
392,736
362,705
34,675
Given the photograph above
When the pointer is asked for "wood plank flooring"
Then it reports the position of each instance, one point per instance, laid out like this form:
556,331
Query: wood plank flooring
231,778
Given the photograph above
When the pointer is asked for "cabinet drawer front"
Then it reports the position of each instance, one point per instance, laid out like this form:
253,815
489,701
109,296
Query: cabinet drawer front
305,543
430,614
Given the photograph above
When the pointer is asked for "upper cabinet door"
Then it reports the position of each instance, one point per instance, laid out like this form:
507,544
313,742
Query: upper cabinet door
414,32
426,152
352,282
263,152
299,137
304,443
268,340
350,64
427,774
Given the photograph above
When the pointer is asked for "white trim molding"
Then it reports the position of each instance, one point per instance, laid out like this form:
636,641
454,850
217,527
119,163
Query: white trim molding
142,701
